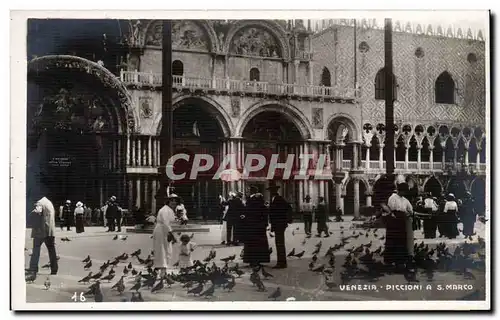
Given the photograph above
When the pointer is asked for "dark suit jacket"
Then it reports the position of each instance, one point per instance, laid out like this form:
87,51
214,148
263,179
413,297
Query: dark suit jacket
236,208
279,213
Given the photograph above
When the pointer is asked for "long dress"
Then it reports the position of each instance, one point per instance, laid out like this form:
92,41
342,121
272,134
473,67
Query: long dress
396,242
468,217
79,221
256,246
162,247
450,215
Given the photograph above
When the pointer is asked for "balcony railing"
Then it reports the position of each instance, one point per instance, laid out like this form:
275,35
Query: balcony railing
303,55
413,167
244,86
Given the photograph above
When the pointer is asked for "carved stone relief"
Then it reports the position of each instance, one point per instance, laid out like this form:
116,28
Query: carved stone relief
235,107
146,107
255,42
185,35
317,118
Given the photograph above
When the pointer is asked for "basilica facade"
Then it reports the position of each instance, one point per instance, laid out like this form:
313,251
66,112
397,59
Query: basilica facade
283,87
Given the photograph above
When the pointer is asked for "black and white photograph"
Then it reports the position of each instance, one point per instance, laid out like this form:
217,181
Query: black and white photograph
167,162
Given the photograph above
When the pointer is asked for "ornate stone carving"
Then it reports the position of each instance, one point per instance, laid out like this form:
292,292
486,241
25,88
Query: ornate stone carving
188,35
255,42
317,118
145,104
235,106
135,33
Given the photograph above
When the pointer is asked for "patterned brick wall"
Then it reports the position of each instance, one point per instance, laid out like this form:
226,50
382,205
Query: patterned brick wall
415,76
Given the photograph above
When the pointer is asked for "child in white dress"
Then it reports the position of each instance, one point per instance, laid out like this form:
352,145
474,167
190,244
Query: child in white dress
185,250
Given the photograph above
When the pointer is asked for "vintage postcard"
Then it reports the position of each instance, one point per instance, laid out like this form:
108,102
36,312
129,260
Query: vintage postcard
250,160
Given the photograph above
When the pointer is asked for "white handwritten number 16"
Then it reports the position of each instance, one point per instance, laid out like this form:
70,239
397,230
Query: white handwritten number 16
77,298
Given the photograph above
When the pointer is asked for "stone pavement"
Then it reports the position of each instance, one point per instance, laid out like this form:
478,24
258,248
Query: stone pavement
295,281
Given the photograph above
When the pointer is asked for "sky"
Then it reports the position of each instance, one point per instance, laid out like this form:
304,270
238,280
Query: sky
54,36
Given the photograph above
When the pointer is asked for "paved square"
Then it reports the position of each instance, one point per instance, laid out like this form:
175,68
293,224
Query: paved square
296,281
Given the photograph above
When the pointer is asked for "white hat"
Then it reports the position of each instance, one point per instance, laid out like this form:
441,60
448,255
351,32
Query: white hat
113,198
79,204
68,201
173,195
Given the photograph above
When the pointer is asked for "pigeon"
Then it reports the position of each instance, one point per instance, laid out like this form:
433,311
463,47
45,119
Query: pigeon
276,294
319,268
112,271
98,297
47,283
158,287
315,258
125,271
230,258
316,251
304,241
230,285
196,290
300,254
129,266
134,272
136,286
469,275
88,265
410,276
291,253
209,292
109,277
124,238
293,233
329,283
65,239
86,279
260,285
266,274
116,284
115,237
311,265
46,266
86,259
331,262
31,278
169,281
121,287
136,253
97,276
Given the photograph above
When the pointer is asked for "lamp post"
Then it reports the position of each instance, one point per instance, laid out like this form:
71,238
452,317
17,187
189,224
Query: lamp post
166,135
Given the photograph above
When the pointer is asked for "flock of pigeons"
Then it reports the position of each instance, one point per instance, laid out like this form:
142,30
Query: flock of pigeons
364,262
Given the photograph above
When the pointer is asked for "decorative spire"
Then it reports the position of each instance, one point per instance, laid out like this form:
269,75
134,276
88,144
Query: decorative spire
364,24
419,29
439,31
469,34
429,30
397,26
408,28
449,32
459,33
480,36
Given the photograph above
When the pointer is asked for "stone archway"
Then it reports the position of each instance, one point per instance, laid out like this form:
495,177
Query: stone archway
79,114
293,114
433,186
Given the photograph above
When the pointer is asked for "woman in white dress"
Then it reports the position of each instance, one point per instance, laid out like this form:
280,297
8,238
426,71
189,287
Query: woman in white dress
162,234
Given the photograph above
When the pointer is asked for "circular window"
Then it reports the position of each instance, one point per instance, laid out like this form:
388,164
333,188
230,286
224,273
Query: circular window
471,57
364,47
419,52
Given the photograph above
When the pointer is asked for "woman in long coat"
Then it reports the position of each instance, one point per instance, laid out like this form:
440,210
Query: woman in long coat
450,212
162,234
468,215
254,223
395,214
79,217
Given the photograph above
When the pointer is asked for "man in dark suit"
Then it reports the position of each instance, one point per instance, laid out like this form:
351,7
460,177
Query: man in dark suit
279,215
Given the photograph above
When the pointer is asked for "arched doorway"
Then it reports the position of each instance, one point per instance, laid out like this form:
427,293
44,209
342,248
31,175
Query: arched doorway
433,187
198,130
457,187
77,114
272,132
478,191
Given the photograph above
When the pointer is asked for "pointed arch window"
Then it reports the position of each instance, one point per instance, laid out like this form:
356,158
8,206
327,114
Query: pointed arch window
380,85
177,68
445,89
326,78
254,74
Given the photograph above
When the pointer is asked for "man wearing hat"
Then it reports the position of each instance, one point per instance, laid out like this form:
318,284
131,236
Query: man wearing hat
307,215
112,215
68,215
279,211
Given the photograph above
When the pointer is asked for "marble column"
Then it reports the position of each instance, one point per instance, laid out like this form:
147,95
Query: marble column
296,75
406,157
419,157
311,73
328,158
138,192
154,187
367,160
130,198
368,200
158,160
443,158
478,159
466,156
150,163
354,160
431,157
139,151
128,150
381,156
338,196
356,198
